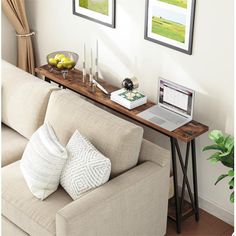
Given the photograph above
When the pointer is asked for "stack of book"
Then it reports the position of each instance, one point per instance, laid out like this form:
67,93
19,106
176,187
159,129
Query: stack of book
128,99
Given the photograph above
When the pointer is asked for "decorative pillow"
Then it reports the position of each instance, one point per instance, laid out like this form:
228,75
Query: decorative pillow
86,168
42,162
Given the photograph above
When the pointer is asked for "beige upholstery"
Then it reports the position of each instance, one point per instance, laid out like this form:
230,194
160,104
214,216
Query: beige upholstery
24,100
117,139
129,204
13,145
10,229
171,187
27,212
151,152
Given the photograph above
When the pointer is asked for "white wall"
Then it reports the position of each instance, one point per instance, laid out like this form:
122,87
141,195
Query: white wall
209,70
9,42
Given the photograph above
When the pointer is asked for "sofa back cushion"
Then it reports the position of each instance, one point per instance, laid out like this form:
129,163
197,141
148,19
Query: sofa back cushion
117,139
24,100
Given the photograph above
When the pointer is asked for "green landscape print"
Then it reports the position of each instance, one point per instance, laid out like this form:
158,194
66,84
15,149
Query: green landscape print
99,6
169,24
179,3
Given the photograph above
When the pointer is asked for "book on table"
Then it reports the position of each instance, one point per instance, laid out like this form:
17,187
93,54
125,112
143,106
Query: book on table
128,99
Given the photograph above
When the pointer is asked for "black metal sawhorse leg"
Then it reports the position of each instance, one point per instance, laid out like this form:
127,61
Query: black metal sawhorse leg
175,176
195,186
49,81
179,201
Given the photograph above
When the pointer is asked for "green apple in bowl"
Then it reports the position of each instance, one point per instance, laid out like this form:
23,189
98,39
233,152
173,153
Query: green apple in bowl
68,64
59,56
60,65
52,61
62,61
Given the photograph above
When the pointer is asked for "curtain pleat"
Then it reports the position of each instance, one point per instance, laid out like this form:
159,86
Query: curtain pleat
15,12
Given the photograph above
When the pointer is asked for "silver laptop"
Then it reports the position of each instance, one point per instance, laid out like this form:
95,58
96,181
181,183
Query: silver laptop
175,106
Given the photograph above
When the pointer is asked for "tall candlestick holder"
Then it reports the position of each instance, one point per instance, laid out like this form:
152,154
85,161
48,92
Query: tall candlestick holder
84,72
94,86
91,70
90,77
84,65
96,72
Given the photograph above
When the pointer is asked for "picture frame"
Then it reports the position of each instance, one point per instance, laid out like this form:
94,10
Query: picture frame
100,11
170,23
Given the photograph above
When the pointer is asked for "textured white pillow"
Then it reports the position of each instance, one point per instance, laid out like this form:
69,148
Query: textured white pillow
42,162
86,168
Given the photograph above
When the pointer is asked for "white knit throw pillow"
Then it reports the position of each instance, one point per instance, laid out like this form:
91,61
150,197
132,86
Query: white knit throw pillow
42,162
86,168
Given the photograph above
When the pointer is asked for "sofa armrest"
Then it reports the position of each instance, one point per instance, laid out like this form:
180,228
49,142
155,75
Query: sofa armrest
134,203
152,152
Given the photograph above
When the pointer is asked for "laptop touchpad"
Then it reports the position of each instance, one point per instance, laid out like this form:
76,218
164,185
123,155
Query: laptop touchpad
157,120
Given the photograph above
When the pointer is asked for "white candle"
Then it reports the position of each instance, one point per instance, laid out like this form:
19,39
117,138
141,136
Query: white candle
84,64
84,53
96,60
91,69
97,50
91,61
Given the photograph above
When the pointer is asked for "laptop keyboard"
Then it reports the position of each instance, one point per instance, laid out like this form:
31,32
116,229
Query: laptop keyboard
157,120
167,115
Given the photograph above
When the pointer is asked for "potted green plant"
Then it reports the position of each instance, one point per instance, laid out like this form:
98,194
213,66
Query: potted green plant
224,153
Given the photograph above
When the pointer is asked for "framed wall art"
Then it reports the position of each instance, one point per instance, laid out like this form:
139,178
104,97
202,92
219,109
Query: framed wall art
170,23
100,11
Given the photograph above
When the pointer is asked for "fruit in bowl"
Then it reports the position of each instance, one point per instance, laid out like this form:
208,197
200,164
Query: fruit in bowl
62,60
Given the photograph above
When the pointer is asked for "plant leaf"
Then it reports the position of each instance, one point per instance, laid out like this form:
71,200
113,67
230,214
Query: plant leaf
231,173
220,178
228,163
229,142
215,157
225,154
231,183
216,136
213,147
228,160
232,197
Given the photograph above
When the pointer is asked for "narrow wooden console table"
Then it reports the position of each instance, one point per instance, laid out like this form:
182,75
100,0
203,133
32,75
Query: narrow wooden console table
187,133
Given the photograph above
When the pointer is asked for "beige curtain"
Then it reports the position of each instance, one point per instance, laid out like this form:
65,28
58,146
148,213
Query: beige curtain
15,12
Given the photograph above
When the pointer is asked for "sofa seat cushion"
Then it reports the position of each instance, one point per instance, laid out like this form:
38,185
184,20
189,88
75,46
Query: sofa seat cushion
115,138
10,229
13,145
33,216
24,99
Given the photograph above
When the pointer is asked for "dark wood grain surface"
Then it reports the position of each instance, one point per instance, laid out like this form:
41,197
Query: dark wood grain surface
74,82
208,225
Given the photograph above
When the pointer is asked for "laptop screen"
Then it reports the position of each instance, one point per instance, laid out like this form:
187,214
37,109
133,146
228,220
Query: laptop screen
176,98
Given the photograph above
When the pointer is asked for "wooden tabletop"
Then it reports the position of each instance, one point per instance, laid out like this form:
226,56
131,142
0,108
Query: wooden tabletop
74,82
